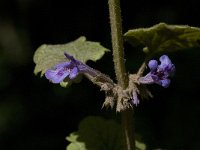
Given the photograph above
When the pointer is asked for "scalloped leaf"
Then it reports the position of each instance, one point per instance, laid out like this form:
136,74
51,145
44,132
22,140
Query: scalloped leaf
164,38
47,56
96,133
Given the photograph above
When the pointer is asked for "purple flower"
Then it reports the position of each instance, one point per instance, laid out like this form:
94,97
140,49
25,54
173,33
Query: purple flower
159,74
68,70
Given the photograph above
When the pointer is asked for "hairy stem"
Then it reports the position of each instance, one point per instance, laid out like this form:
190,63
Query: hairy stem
128,129
120,71
117,42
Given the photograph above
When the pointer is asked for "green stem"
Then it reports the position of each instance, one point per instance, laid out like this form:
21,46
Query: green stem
117,42
128,129
120,71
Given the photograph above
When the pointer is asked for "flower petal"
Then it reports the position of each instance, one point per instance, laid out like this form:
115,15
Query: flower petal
165,83
165,61
62,64
153,64
56,76
73,73
172,70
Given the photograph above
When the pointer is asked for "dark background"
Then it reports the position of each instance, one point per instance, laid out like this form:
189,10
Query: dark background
35,114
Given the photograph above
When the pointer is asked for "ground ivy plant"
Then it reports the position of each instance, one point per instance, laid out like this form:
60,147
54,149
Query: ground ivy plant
65,63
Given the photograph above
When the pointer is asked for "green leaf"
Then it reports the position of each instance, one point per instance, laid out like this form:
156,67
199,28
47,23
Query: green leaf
47,56
72,137
140,145
164,38
96,133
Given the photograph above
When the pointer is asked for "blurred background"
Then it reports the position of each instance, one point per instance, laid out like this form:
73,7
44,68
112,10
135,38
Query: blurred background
35,114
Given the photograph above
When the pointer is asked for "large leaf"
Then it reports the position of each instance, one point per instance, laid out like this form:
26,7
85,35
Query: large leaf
96,133
164,38
47,56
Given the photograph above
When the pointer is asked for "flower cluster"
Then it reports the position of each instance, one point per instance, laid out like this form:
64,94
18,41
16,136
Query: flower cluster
68,70
159,74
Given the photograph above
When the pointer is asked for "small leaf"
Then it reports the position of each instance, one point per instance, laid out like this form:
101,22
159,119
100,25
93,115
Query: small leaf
74,145
47,56
96,133
72,137
164,38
